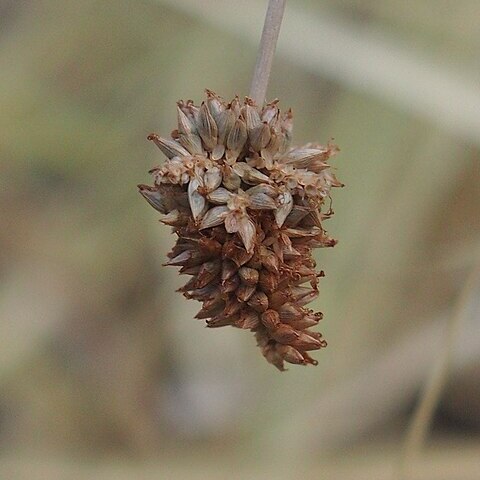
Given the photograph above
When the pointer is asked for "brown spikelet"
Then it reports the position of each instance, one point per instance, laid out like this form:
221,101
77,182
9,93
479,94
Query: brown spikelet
247,210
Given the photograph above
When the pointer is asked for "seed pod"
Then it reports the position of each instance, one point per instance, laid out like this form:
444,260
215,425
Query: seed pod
236,253
235,141
231,180
290,313
297,214
220,196
207,128
209,246
211,308
260,201
206,293
285,334
188,108
279,297
247,233
249,276
214,104
212,179
190,285
270,112
228,270
251,116
303,157
153,197
264,189
297,293
269,260
260,137
230,285
233,306
258,301
226,121
307,298
285,201
215,216
183,259
190,270
271,319
218,151
249,174
208,272
186,124
248,320
268,281
192,143
244,292
169,147
220,321
306,342
290,354
308,359
187,131
302,232
306,322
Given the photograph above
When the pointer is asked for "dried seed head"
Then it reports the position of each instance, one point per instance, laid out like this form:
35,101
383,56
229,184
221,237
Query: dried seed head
247,211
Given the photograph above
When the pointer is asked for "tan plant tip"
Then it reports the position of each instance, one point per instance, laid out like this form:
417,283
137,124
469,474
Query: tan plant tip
247,210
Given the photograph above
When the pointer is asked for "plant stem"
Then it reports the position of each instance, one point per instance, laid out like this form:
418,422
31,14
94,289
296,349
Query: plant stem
431,394
266,50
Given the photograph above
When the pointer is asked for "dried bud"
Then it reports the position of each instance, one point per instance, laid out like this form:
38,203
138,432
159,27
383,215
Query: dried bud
247,211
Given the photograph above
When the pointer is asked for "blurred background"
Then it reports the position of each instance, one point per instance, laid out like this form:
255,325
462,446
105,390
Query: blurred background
104,374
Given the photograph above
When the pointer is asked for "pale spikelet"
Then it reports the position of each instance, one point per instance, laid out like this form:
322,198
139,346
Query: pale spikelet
247,210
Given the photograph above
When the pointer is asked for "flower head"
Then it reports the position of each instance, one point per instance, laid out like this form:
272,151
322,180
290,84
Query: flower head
247,210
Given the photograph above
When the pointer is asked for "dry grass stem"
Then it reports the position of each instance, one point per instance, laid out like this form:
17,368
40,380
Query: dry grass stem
422,418
266,51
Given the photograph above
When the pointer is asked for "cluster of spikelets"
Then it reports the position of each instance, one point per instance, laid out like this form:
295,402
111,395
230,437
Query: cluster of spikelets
246,208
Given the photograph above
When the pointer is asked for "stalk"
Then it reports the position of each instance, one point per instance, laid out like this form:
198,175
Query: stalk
266,51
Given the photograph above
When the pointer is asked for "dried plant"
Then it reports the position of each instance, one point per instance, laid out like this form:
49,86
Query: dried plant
247,212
